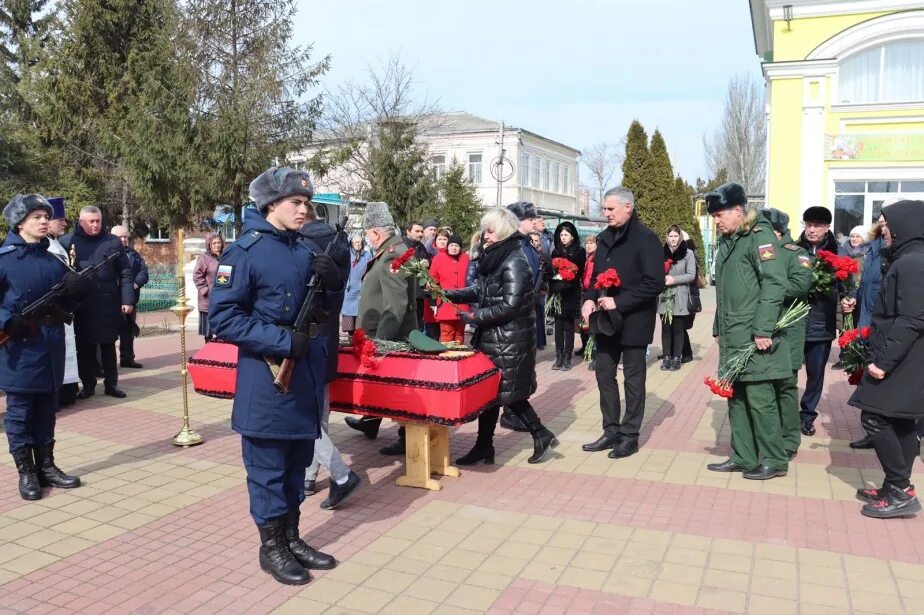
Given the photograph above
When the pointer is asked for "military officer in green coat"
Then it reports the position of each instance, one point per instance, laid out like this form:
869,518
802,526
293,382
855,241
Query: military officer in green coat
750,293
799,281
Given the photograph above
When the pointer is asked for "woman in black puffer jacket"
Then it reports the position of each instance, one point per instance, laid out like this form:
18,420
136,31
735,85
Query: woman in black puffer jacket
567,246
505,330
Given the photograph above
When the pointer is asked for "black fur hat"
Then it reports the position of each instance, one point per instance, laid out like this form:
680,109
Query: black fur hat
818,215
778,220
276,183
726,196
523,210
22,205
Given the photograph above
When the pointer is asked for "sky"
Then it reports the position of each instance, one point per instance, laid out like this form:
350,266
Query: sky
575,71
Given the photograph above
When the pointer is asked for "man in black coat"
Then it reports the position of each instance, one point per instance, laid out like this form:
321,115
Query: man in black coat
635,252
111,296
820,329
890,393
414,232
139,279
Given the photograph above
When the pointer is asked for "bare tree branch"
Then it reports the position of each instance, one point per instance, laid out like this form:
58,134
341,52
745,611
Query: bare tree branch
739,145
602,160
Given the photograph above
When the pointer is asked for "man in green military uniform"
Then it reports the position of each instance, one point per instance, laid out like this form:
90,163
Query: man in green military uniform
387,302
750,291
798,282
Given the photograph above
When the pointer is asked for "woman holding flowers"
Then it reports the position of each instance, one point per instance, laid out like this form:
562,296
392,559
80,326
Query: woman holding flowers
891,389
505,330
674,302
568,259
448,270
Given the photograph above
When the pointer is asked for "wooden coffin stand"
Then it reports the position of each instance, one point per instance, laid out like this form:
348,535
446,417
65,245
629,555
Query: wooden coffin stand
425,393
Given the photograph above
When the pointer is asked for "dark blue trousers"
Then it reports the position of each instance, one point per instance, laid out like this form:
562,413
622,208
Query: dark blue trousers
30,420
816,362
540,324
275,475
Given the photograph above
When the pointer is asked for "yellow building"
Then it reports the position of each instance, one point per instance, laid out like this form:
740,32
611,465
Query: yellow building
845,101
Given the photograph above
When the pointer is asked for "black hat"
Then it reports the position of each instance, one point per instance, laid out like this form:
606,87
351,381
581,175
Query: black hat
275,184
818,215
430,222
455,238
726,196
57,206
523,210
24,204
605,322
778,220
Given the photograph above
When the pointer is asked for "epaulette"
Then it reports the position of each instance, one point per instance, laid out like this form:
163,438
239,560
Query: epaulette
248,240
792,246
7,250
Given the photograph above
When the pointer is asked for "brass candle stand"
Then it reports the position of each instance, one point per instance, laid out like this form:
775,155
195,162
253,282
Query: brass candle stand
186,436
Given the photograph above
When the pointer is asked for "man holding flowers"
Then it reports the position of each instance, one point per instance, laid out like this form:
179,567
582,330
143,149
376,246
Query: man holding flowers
750,292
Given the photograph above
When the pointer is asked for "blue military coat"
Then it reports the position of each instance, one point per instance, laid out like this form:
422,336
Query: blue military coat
33,363
260,284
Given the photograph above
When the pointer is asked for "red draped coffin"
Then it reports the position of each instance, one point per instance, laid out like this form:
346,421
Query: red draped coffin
449,388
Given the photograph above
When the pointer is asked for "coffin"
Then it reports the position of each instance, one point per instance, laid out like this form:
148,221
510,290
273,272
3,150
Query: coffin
450,388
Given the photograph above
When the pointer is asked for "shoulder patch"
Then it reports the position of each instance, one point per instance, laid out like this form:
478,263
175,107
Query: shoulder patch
791,246
223,275
805,261
249,239
767,251
7,250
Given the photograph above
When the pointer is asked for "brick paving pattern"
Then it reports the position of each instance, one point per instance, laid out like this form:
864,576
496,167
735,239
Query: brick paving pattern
157,529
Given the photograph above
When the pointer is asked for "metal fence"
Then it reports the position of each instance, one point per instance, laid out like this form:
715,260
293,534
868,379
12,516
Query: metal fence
159,293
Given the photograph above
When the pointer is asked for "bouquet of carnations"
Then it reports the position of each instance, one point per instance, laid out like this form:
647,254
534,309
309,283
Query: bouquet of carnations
667,297
854,345
408,264
370,351
607,280
831,269
564,270
728,374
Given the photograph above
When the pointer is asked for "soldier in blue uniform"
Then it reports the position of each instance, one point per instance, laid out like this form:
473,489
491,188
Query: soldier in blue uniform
260,285
32,360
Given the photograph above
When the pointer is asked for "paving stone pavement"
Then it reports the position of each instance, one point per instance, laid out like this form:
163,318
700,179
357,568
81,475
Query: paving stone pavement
157,529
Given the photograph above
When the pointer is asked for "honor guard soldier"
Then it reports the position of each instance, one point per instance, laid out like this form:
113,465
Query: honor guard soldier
750,291
32,357
260,285
798,282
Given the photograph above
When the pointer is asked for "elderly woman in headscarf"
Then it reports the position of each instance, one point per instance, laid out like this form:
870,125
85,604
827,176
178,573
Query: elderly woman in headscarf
359,260
204,278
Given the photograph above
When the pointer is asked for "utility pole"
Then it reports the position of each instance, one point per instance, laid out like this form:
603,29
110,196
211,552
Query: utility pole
500,166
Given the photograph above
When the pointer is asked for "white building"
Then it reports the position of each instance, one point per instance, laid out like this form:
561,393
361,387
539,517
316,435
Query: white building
535,168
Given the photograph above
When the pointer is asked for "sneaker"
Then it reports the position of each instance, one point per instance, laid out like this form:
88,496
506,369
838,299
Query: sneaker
870,496
896,503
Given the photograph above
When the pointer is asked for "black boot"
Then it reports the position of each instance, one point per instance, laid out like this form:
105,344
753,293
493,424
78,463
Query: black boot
511,421
558,359
49,474
368,426
543,439
275,557
397,448
675,364
29,488
309,558
484,443
666,364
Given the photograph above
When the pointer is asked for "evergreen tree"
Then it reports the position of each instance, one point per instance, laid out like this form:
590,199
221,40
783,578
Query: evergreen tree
398,171
252,105
635,165
657,205
458,205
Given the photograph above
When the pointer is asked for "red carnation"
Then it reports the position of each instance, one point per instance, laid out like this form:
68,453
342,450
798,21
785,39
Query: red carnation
402,260
667,266
841,274
607,279
865,332
565,269
855,377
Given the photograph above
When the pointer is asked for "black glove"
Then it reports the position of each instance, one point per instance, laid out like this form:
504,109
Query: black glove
467,317
326,268
299,348
75,287
16,326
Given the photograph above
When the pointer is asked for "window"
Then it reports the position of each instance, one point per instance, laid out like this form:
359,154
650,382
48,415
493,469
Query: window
566,181
474,168
228,232
524,170
892,72
859,203
545,174
438,166
158,234
537,163
556,177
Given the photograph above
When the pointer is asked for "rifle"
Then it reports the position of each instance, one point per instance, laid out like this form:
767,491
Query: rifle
47,303
308,314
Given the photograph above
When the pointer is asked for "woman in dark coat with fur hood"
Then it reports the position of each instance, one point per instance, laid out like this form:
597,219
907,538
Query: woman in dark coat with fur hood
890,393
567,246
505,330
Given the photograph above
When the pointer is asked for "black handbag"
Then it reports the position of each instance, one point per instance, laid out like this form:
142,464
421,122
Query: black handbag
694,305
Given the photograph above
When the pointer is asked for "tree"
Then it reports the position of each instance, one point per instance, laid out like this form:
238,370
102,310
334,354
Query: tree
702,186
635,164
457,205
252,104
739,145
602,160
398,171
656,206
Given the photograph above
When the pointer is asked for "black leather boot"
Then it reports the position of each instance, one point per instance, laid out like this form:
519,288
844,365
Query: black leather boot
666,364
308,557
484,443
49,474
29,488
566,362
275,557
558,359
511,421
543,439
